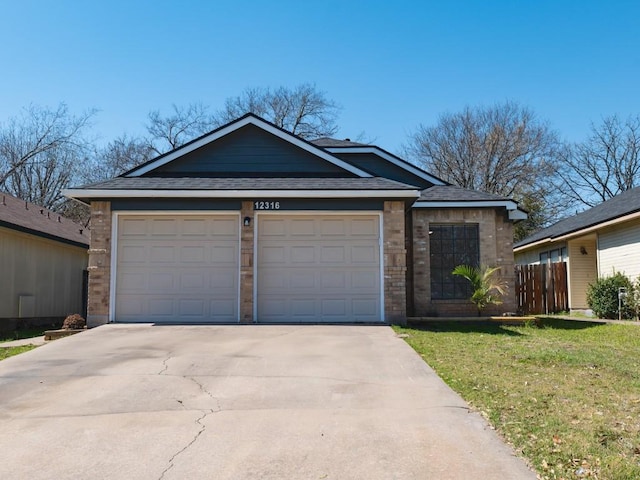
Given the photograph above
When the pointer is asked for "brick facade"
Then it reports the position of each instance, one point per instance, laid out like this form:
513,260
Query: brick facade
99,264
406,239
395,263
496,249
246,262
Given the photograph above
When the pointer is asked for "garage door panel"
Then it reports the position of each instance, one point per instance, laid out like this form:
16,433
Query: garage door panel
364,280
302,254
313,269
130,305
132,227
364,254
369,227
179,269
194,282
224,255
333,307
161,281
223,308
161,307
133,254
192,254
191,307
165,254
272,227
164,227
365,307
300,227
303,307
333,254
224,278
195,227
132,281
333,226
272,254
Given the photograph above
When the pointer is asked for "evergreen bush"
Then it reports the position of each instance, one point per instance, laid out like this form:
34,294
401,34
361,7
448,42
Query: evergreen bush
602,297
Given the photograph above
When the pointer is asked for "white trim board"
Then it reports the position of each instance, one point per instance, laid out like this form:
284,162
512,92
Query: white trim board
512,207
232,127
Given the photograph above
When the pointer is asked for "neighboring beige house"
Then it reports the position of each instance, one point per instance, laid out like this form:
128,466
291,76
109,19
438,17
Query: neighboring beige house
252,224
595,243
42,259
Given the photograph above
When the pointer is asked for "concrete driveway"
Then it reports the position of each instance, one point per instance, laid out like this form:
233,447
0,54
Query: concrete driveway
239,402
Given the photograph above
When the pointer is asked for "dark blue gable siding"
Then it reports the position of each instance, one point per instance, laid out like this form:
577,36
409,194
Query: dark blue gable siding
379,167
250,152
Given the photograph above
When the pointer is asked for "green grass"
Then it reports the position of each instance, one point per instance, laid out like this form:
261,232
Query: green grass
6,352
566,396
20,334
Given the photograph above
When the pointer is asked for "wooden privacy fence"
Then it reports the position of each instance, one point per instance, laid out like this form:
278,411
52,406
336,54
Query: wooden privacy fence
542,288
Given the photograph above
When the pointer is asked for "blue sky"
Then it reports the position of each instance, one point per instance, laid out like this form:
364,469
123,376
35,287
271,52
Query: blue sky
390,65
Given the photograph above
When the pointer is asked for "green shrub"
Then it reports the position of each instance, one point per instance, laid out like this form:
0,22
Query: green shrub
602,296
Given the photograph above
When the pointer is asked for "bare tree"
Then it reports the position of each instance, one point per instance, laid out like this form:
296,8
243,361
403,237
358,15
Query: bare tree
41,150
605,164
503,149
303,110
184,124
117,157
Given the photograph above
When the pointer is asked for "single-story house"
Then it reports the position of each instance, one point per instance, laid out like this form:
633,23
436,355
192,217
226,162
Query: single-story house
43,257
250,223
594,243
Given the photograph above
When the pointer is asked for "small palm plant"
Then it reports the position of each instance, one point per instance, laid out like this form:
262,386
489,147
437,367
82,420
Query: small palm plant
486,288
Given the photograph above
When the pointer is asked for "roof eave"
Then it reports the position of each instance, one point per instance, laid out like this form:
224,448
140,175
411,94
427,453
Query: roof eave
390,158
78,194
579,232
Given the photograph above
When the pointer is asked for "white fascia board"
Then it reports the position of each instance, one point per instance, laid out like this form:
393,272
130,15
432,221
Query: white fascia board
512,207
82,193
237,125
508,204
529,246
390,158
517,215
581,232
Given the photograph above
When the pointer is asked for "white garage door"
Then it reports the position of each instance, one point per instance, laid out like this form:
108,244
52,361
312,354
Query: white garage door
315,268
177,269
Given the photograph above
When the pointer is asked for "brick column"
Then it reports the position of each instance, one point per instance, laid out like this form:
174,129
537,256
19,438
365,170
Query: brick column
395,263
421,263
246,263
99,264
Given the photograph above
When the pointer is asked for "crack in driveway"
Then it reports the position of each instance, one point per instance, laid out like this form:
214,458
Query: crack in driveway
199,421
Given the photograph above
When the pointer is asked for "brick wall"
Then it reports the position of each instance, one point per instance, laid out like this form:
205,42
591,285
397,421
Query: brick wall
246,263
99,264
395,255
496,249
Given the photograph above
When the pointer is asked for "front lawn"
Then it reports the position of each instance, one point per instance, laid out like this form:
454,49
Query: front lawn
566,396
6,352
23,333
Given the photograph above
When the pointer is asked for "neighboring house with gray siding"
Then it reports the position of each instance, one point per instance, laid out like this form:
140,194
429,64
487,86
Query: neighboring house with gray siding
595,243
42,259
252,224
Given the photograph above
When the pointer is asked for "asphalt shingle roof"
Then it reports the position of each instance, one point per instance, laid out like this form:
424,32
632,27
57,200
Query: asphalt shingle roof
452,193
326,142
30,217
188,183
618,206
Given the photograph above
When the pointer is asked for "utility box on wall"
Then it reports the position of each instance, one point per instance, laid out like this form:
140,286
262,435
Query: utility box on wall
26,306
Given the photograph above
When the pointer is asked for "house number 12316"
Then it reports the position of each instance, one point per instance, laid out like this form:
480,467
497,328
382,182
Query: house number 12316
266,205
